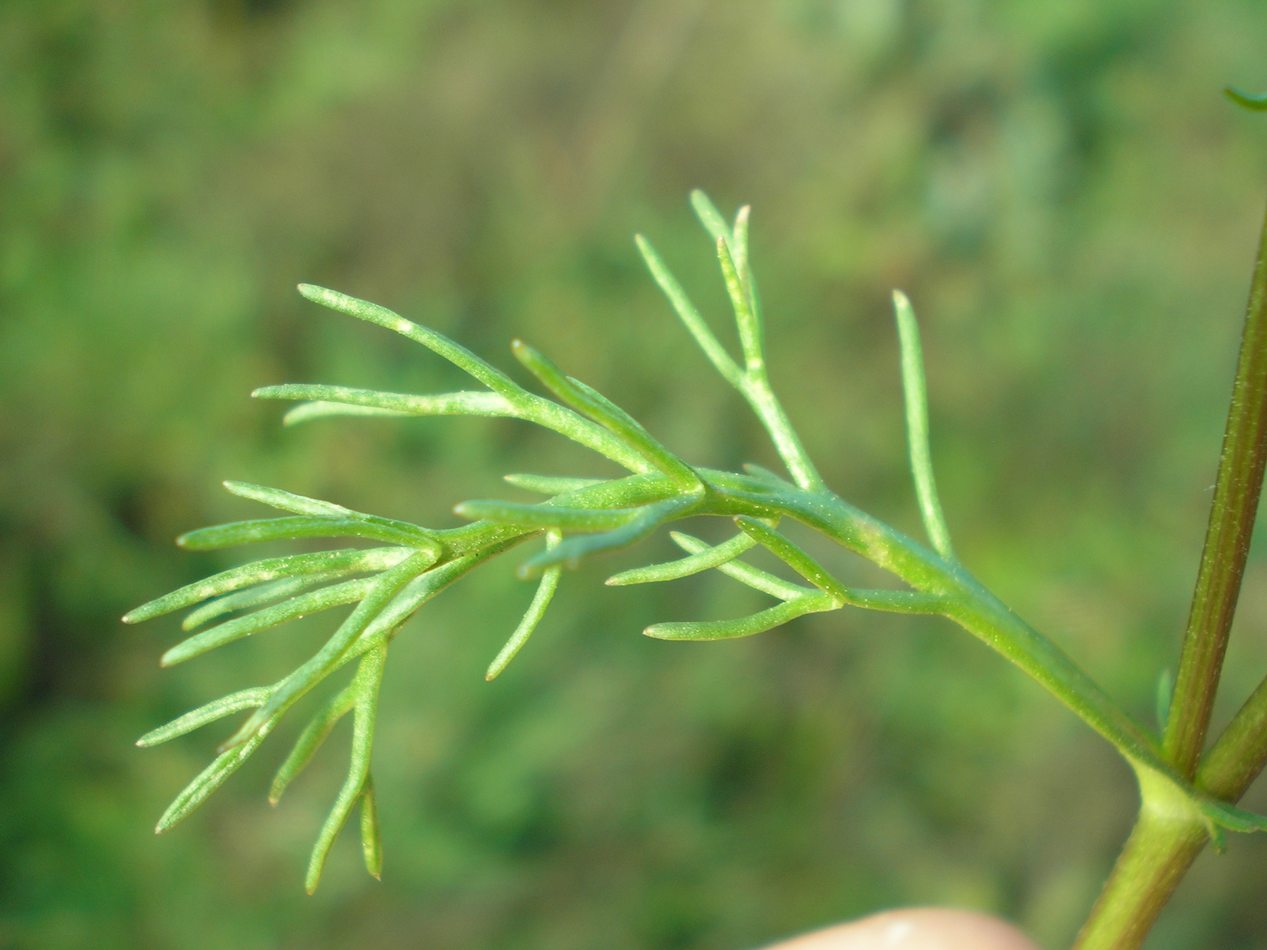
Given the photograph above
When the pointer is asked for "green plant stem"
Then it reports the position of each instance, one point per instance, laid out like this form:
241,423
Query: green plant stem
1240,754
1153,861
957,594
1166,840
1236,493
968,602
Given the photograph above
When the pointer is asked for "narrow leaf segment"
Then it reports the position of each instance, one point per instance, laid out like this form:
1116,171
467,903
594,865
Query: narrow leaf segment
916,394
1247,100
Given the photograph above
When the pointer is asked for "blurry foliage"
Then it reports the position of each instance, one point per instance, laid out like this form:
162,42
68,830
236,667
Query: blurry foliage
1061,190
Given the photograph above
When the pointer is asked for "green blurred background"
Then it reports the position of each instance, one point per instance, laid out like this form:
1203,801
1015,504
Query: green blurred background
1060,188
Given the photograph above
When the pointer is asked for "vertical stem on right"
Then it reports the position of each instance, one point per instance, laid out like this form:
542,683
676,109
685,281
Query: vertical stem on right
1236,493
1152,863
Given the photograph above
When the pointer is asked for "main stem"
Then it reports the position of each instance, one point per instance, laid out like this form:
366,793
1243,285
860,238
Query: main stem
1164,844
1236,492
1166,840
1153,861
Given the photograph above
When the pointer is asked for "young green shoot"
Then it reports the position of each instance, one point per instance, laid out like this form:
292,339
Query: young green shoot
386,569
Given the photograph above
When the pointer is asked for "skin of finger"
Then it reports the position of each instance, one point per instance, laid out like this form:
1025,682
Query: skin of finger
917,928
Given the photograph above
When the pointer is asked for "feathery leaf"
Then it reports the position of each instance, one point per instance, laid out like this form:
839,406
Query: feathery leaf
384,590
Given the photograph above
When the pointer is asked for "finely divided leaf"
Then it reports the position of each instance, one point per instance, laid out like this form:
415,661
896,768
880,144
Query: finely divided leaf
310,740
210,779
712,219
310,411
303,526
287,501
532,616
916,395
211,712
436,404
266,618
315,507
750,335
739,250
686,566
549,484
439,344
689,315
365,685
380,596
745,573
545,515
239,600
759,622
605,412
794,557
371,836
574,548
270,569
1247,100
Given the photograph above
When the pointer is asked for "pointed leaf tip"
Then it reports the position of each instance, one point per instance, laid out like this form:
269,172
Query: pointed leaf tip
1256,103
915,396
